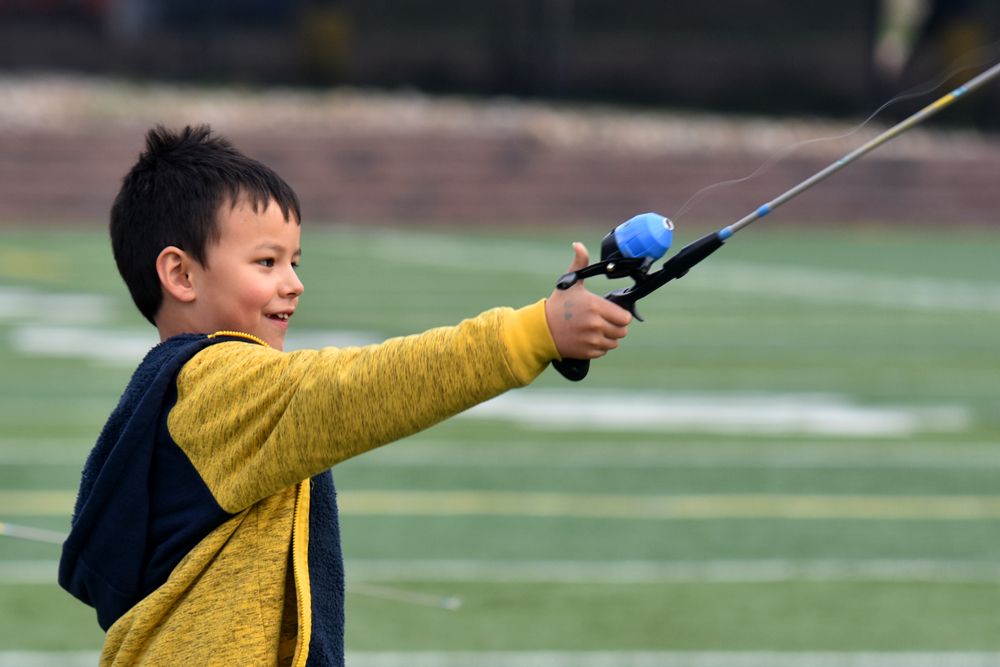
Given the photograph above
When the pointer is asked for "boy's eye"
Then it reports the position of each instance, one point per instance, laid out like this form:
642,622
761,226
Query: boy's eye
269,263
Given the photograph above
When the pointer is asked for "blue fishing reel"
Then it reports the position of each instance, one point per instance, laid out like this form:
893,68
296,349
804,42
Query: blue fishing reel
647,236
629,252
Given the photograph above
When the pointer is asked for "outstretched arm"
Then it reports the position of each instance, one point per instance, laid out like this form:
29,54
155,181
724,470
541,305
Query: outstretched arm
253,420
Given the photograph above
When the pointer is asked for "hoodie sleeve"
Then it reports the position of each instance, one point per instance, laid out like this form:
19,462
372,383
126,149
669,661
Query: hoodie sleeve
254,421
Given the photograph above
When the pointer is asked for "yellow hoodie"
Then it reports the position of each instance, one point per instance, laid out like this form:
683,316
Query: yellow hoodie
259,428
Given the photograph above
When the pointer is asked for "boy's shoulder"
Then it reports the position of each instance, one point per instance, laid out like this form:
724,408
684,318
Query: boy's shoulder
142,397
114,486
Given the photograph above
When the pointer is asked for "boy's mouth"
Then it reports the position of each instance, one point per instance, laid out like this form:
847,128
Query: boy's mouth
280,317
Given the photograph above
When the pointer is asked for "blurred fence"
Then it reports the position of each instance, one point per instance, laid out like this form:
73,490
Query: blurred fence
749,55
758,55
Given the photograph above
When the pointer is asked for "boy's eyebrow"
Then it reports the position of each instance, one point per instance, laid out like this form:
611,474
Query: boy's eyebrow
276,247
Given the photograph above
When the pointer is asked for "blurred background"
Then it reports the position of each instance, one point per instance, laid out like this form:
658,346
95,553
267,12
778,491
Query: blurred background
759,55
793,461
503,111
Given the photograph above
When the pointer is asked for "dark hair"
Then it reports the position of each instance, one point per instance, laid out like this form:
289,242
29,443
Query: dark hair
172,197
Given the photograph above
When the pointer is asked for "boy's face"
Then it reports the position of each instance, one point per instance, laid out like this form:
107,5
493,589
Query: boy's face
249,284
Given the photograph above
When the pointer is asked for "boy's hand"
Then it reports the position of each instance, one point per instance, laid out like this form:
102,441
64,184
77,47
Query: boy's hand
584,325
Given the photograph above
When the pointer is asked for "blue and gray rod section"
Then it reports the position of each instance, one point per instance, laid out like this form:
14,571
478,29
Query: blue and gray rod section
891,133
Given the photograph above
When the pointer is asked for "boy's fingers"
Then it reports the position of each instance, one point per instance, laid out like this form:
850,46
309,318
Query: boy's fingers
609,340
615,314
615,333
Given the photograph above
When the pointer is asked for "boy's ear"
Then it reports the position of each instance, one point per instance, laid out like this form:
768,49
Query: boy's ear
173,266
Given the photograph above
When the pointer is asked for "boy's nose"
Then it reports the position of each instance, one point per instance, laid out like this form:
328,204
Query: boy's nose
292,286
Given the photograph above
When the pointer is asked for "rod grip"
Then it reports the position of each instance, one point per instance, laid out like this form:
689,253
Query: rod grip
677,266
573,370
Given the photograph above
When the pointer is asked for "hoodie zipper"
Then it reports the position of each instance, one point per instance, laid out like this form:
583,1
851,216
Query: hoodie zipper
300,569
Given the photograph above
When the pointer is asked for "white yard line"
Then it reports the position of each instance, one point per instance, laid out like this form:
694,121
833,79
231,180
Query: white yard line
111,346
668,507
129,346
673,572
365,571
730,413
708,454
49,658
605,506
588,659
42,572
422,452
670,659
845,287
21,304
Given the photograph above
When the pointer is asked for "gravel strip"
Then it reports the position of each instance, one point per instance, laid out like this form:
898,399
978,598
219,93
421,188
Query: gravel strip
72,104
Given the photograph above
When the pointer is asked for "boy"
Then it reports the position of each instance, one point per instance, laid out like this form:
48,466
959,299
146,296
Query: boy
205,532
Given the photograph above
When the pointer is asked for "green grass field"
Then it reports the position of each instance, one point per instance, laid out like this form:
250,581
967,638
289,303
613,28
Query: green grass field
814,464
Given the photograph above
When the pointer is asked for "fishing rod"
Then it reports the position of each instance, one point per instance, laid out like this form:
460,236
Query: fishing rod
631,248
368,590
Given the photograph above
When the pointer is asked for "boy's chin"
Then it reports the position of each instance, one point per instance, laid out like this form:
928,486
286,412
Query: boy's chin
276,342
273,333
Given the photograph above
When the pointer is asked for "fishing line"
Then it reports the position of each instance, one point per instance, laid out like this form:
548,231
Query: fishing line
631,248
425,599
970,60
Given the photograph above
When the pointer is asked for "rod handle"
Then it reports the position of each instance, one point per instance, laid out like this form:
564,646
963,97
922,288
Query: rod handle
573,370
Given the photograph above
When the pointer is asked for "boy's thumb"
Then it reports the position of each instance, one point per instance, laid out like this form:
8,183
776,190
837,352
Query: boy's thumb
582,258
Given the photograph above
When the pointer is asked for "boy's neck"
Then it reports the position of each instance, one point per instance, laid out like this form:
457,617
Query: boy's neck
174,319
